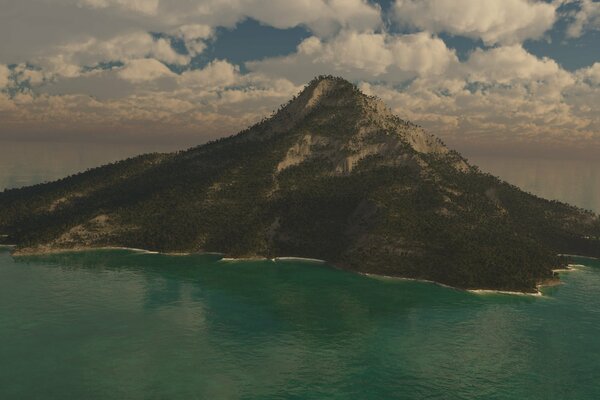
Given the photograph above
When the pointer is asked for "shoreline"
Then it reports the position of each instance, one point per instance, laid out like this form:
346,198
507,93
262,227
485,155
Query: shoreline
400,278
537,293
474,291
312,260
19,253
578,256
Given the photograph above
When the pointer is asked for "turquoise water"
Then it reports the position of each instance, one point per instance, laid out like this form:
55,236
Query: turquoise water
117,324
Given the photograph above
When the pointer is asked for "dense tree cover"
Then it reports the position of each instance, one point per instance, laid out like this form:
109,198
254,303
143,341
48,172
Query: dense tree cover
424,218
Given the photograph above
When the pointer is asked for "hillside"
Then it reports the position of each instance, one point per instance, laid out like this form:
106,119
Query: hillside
332,175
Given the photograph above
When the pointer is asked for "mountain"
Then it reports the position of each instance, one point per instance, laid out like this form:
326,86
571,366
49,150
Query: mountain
332,175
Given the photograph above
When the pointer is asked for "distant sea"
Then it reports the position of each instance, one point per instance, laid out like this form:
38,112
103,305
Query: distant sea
576,182
126,325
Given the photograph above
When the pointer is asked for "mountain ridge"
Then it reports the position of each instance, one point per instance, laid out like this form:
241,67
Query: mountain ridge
334,175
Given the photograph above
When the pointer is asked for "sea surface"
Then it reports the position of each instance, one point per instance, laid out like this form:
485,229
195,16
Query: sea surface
128,325
124,325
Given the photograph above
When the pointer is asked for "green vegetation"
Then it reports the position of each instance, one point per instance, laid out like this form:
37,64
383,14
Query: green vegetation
353,191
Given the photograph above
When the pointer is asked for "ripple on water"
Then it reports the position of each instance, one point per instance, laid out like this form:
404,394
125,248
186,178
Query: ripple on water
113,324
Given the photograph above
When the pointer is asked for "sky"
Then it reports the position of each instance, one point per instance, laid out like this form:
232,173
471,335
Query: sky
487,76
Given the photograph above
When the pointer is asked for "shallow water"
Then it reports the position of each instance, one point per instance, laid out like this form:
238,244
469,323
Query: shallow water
118,324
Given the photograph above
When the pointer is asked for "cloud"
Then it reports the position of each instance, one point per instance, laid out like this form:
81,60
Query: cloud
507,64
422,53
71,60
362,56
586,18
590,75
95,70
149,7
218,73
194,36
324,17
493,21
4,75
199,105
143,70
121,48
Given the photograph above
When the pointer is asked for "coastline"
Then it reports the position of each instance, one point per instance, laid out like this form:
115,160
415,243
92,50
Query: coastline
400,278
45,251
474,291
537,293
38,252
313,260
578,256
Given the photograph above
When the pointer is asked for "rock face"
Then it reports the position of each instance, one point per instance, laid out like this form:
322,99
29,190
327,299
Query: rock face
333,175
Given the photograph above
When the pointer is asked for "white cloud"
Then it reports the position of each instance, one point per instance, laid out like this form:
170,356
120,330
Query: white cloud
143,70
4,75
422,53
362,56
498,93
194,36
586,18
508,63
149,7
493,21
192,114
68,60
218,73
121,48
591,74
360,51
324,17
504,97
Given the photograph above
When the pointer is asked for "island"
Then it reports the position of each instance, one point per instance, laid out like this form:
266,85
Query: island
332,175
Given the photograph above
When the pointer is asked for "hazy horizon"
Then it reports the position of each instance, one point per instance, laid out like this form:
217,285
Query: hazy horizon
574,181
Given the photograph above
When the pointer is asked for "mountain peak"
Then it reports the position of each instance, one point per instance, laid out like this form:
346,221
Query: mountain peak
324,89
332,109
330,82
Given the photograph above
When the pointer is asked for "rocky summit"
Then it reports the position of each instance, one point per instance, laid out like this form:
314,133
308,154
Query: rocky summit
333,175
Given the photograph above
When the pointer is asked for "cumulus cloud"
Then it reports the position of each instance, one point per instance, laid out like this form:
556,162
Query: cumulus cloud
143,70
504,97
493,21
586,18
106,73
422,53
503,64
218,73
194,36
590,75
4,75
198,110
142,6
121,48
72,60
362,56
323,17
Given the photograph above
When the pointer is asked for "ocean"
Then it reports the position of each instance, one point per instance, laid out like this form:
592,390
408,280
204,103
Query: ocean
129,325
132,325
